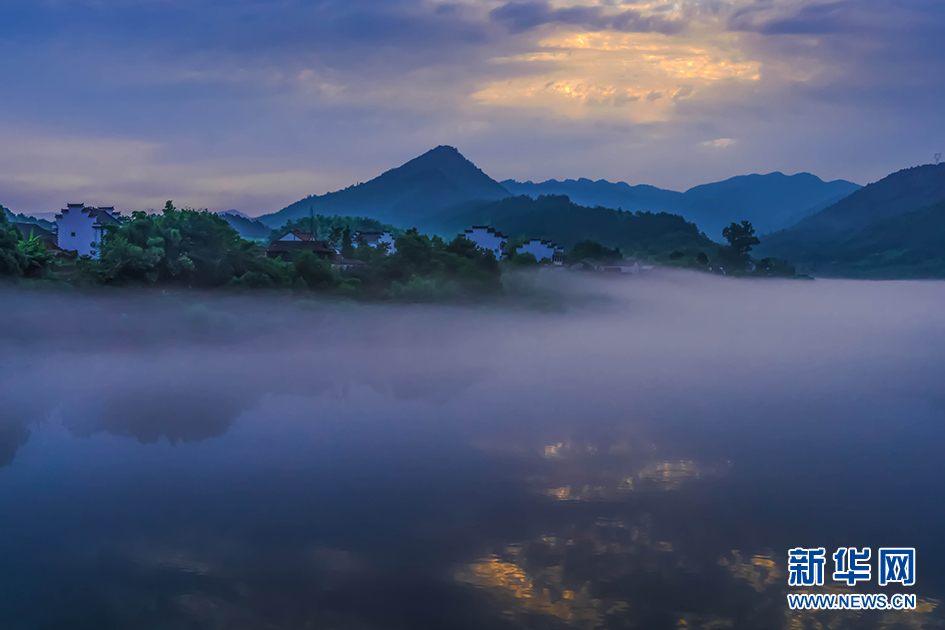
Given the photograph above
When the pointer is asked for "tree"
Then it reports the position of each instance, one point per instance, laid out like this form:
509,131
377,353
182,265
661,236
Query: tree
12,259
313,270
594,250
741,238
335,235
185,246
702,259
524,259
347,249
36,260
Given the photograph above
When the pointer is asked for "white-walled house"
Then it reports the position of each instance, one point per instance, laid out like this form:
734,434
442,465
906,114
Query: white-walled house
79,229
373,239
488,239
541,250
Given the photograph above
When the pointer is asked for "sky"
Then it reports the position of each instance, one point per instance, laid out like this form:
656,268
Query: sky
254,104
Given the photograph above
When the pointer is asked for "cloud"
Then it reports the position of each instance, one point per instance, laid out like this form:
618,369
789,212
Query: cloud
683,92
524,16
718,143
247,104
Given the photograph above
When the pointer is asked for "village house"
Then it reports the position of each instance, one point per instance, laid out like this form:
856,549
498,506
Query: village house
80,229
488,239
542,250
296,241
373,238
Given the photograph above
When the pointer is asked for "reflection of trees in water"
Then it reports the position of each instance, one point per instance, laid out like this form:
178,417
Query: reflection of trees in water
180,414
20,407
189,412
13,434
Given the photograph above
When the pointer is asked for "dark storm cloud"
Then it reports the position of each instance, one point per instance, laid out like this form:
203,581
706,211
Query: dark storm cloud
524,16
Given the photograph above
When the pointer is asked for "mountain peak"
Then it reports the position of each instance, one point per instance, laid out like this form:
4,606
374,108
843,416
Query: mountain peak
441,157
445,149
411,194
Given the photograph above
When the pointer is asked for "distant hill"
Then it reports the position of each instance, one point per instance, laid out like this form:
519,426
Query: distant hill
24,218
236,213
414,194
558,219
771,202
247,227
892,228
586,192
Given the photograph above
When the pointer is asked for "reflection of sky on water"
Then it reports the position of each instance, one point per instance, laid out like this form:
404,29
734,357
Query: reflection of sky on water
643,463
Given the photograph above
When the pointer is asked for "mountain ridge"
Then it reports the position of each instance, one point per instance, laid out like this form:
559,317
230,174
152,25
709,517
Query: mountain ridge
438,179
771,201
881,230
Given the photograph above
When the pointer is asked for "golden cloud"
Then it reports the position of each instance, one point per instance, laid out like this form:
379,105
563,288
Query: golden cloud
640,76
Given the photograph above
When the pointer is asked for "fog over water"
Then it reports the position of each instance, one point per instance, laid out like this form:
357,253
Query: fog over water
607,452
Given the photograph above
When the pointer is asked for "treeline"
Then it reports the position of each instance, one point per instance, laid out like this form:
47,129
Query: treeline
554,217
191,248
332,228
21,256
426,268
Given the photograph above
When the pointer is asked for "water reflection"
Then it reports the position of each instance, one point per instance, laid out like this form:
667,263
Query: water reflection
644,462
13,435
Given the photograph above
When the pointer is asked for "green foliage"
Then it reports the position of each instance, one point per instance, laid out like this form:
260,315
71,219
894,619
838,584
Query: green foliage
425,268
376,255
642,234
702,259
775,267
347,248
594,250
908,245
37,261
190,247
524,259
19,256
13,261
741,239
331,228
315,272
893,228
420,289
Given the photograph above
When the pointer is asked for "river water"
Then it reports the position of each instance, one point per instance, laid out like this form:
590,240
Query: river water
635,453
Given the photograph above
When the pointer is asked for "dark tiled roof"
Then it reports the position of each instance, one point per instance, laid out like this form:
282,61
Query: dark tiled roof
302,236
488,229
27,229
103,215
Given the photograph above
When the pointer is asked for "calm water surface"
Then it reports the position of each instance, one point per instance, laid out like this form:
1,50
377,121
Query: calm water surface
640,455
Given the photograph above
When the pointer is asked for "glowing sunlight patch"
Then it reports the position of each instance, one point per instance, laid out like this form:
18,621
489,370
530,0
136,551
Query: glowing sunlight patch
635,75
